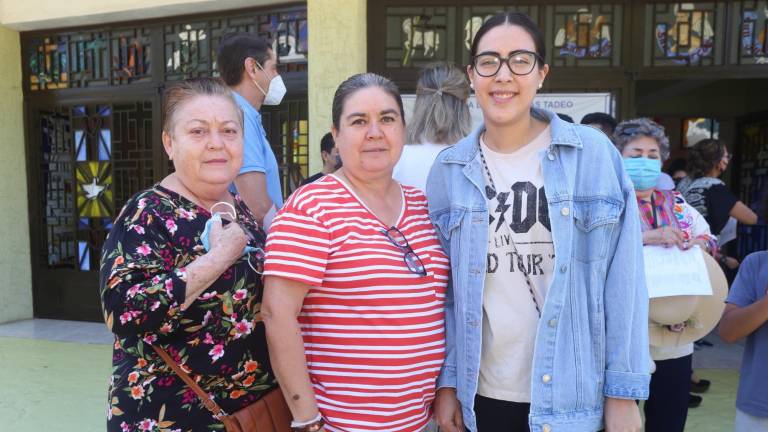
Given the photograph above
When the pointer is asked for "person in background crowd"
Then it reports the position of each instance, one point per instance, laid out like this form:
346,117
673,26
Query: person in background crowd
677,170
666,219
565,117
248,65
547,315
604,122
746,315
355,281
163,284
440,118
331,159
708,160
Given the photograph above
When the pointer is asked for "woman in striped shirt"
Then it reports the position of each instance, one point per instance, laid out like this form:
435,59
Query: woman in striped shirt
355,281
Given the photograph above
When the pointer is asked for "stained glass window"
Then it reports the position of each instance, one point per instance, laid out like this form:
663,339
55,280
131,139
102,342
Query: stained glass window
688,34
88,59
94,189
752,28
94,158
585,35
121,56
187,51
419,35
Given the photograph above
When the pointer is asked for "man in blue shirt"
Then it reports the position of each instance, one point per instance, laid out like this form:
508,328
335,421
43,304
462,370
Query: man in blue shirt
248,65
746,315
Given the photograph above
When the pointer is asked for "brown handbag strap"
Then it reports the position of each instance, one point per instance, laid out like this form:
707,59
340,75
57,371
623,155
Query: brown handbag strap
209,404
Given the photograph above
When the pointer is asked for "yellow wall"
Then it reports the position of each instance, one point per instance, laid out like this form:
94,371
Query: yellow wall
337,49
15,267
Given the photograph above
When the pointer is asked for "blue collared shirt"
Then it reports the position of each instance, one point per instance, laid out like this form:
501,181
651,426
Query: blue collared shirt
257,154
592,339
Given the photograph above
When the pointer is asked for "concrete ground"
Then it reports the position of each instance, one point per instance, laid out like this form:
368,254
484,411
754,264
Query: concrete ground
54,378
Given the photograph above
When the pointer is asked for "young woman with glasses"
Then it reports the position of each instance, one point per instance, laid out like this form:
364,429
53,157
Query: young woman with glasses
546,317
356,280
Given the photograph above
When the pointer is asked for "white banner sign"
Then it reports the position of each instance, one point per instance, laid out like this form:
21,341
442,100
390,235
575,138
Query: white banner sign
576,105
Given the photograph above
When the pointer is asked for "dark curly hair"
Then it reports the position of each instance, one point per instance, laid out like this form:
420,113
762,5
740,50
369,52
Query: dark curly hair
704,156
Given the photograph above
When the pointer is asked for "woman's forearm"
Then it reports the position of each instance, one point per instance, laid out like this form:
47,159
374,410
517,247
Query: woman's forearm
201,273
286,353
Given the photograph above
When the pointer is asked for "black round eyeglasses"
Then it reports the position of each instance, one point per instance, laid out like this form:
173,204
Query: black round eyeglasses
520,62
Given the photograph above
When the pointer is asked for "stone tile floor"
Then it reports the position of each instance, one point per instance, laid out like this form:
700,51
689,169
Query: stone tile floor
54,378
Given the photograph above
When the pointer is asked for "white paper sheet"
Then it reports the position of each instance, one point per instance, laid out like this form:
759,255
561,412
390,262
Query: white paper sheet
671,271
728,232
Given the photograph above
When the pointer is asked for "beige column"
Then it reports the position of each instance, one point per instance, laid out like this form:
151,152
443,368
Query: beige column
338,48
15,266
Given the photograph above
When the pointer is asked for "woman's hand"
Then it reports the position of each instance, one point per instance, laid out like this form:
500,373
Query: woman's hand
448,410
227,242
227,245
622,415
703,244
665,236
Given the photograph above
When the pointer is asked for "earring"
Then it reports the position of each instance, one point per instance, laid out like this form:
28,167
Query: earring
541,85
472,86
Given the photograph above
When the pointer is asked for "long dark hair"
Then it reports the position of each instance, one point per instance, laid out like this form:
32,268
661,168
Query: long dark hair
704,156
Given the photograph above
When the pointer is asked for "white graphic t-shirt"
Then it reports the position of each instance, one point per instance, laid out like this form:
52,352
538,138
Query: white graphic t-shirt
509,313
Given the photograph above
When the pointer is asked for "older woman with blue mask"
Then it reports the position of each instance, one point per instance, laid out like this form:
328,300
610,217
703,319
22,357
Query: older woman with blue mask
179,281
667,220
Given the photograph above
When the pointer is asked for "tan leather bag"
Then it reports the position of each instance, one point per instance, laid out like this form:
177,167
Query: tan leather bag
268,414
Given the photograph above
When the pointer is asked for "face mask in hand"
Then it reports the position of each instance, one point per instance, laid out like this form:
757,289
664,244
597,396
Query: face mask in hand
216,217
643,172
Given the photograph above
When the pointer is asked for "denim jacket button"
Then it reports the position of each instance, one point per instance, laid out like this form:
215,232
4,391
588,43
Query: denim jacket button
552,322
546,378
551,156
565,211
546,428
564,268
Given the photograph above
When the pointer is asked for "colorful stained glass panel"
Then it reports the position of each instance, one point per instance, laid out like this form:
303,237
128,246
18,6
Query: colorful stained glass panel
94,189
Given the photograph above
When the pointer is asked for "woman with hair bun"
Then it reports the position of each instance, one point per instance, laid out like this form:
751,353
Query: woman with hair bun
440,118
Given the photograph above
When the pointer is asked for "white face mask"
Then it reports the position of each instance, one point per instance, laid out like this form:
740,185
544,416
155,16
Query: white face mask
275,92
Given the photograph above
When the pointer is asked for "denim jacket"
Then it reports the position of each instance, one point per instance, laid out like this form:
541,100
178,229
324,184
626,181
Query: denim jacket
592,339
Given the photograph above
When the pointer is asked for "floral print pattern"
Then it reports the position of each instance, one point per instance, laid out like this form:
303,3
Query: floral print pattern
219,339
672,210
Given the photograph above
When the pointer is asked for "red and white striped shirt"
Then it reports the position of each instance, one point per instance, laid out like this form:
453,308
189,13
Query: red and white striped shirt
373,330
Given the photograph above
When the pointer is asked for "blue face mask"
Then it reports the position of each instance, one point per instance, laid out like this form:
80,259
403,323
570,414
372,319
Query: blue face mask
643,172
247,251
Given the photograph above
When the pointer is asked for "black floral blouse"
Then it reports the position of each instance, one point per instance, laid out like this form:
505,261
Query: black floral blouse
219,338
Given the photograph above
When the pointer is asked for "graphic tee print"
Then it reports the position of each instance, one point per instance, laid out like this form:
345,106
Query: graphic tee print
510,318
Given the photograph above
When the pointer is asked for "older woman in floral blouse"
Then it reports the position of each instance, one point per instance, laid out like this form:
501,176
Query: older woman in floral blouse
164,283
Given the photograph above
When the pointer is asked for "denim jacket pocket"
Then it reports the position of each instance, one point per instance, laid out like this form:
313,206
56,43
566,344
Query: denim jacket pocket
595,219
448,220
